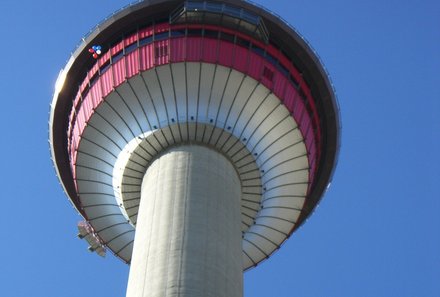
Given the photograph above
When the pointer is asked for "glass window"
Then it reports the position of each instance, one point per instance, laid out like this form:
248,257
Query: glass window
145,41
84,93
232,11
161,36
178,33
253,19
247,28
104,67
130,48
215,7
194,5
230,21
118,56
194,17
212,18
93,79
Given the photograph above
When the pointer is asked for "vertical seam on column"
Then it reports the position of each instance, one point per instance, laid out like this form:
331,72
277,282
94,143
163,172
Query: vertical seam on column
188,159
206,243
186,101
170,236
151,227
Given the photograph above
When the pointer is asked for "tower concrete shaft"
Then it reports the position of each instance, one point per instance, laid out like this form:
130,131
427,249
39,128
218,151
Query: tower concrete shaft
188,237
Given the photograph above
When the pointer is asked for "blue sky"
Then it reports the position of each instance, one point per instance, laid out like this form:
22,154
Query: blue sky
376,232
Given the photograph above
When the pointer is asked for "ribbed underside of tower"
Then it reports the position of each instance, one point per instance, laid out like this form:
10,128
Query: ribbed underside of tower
196,143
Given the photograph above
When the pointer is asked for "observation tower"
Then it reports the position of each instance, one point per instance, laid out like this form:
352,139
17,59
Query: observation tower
193,137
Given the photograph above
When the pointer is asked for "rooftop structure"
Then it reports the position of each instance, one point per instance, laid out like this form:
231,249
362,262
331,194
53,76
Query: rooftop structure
194,137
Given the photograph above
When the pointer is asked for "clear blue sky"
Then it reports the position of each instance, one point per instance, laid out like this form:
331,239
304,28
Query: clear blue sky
376,232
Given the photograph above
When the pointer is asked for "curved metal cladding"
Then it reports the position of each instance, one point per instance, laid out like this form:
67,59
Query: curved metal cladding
224,74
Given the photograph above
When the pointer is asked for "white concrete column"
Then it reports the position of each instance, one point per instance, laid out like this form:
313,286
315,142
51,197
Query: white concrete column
188,231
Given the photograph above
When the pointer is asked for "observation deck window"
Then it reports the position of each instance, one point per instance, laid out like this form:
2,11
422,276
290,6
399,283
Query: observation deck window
161,36
117,57
178,33
131,48
145,41
214,7
221,14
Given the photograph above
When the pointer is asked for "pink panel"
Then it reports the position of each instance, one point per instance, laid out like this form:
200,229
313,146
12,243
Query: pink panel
268,80
310,139
145,32
75,137
80,120
72,148
76,105
298,110
117,48
311,147
255,66
305,88
131,39
161,52
69,130
225,53
312,165
317,131
295,74
147,57
289,97
272,51
104,58
161,27
193,49
284,61
241,59
86,108
119,72
132,63
305,123
210,50
177,49
77,99
96,94
107,82
94,70
196,49
280,84
84,84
